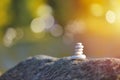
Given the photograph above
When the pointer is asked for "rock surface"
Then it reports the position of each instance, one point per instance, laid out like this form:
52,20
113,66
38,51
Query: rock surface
49,68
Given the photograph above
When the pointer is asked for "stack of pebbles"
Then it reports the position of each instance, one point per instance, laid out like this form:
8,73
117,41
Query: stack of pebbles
79,52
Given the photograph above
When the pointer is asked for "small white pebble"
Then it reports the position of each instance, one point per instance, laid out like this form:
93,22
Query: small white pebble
79,43
78,50
79,46
82,57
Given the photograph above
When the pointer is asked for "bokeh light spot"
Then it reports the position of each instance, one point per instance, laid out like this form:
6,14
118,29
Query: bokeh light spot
110,16
49,21
10,35
37,25
56,30
42,23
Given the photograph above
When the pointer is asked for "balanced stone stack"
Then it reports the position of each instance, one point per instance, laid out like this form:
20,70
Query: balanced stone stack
78,52
50,68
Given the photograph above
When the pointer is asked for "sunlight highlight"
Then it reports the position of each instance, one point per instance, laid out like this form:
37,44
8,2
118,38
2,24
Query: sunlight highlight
110,16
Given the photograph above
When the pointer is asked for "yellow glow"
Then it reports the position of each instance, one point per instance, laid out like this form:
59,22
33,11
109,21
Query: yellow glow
96,9
33,7
110,16
4,18
44,10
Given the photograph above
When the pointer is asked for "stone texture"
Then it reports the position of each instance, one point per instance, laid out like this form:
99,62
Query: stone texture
49,68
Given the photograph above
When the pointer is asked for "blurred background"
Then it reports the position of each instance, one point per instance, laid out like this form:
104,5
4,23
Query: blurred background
52,27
